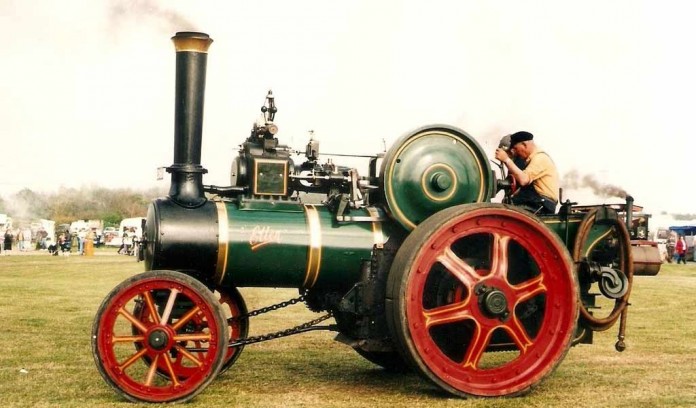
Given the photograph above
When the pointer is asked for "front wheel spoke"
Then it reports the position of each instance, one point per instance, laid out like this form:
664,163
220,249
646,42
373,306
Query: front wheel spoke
134,320
170,305
128,339
150,303
460,269
170,370
447,314
199,346
188,355
193,337
529,289
479,342
185,318
499,257
135,357
151,371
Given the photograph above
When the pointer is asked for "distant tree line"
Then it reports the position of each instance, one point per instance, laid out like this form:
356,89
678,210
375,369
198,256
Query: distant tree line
70,204
99,203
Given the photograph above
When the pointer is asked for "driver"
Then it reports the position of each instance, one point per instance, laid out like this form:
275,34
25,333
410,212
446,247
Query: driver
538,181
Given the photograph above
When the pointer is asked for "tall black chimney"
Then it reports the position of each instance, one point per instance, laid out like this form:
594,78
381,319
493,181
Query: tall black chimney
187,173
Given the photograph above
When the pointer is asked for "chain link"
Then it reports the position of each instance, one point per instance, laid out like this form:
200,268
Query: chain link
282,333
276,335
267,309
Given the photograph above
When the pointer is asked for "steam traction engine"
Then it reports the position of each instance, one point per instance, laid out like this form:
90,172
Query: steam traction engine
415,264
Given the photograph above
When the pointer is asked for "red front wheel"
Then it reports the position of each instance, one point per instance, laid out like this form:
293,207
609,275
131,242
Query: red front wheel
159,337
482,298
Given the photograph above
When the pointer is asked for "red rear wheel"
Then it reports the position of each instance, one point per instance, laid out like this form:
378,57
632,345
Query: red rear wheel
159,337
483,299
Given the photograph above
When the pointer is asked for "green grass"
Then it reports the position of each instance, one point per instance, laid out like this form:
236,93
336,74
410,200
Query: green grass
47,305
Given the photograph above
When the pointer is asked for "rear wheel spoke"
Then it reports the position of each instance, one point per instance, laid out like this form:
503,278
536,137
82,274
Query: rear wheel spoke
447,314
518,334
529,289
464,272
499,261
479,341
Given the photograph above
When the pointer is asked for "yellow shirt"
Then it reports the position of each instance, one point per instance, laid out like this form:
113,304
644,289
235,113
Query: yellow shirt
542,174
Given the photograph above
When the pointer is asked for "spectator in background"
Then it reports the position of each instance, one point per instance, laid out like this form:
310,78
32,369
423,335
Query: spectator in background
126,242
131,241
20,240
680,250
63,242
27,239
671,244
8,240
81,235
73,240
42,236
136,246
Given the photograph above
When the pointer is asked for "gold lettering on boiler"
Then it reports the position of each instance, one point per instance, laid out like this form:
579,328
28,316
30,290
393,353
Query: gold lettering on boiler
261,236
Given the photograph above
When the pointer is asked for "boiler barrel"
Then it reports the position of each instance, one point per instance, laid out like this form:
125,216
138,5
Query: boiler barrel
262,244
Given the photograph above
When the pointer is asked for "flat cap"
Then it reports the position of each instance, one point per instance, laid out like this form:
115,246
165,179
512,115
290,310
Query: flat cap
521,136
504,143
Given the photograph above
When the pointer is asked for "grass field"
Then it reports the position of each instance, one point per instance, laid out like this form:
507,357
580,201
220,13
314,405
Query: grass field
47,305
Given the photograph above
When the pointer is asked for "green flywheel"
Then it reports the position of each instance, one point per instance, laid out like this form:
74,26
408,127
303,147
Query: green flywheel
433,168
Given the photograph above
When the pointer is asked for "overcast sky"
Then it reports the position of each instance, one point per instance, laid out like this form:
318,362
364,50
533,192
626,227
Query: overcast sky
87,87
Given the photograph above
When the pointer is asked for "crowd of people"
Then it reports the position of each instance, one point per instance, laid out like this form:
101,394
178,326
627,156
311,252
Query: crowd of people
129,242
19,240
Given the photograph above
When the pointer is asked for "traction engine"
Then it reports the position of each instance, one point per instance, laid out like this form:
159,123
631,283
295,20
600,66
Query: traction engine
414,264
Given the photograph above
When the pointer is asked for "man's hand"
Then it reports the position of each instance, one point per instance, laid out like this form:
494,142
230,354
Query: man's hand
513,170
501,155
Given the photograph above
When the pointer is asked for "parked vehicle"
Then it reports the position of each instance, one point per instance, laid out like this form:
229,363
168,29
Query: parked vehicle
111,237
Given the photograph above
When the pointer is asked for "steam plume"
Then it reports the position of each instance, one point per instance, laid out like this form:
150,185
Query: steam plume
572,180
138,9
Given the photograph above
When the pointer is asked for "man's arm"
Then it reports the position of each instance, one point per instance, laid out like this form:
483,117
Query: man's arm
516,172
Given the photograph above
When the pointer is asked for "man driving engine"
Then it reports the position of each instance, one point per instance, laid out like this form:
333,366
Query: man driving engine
538,181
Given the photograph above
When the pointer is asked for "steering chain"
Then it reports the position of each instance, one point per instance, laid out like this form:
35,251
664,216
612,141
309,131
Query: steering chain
304,327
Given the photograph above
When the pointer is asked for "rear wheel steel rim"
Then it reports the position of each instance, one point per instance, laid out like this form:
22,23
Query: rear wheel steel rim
467,303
